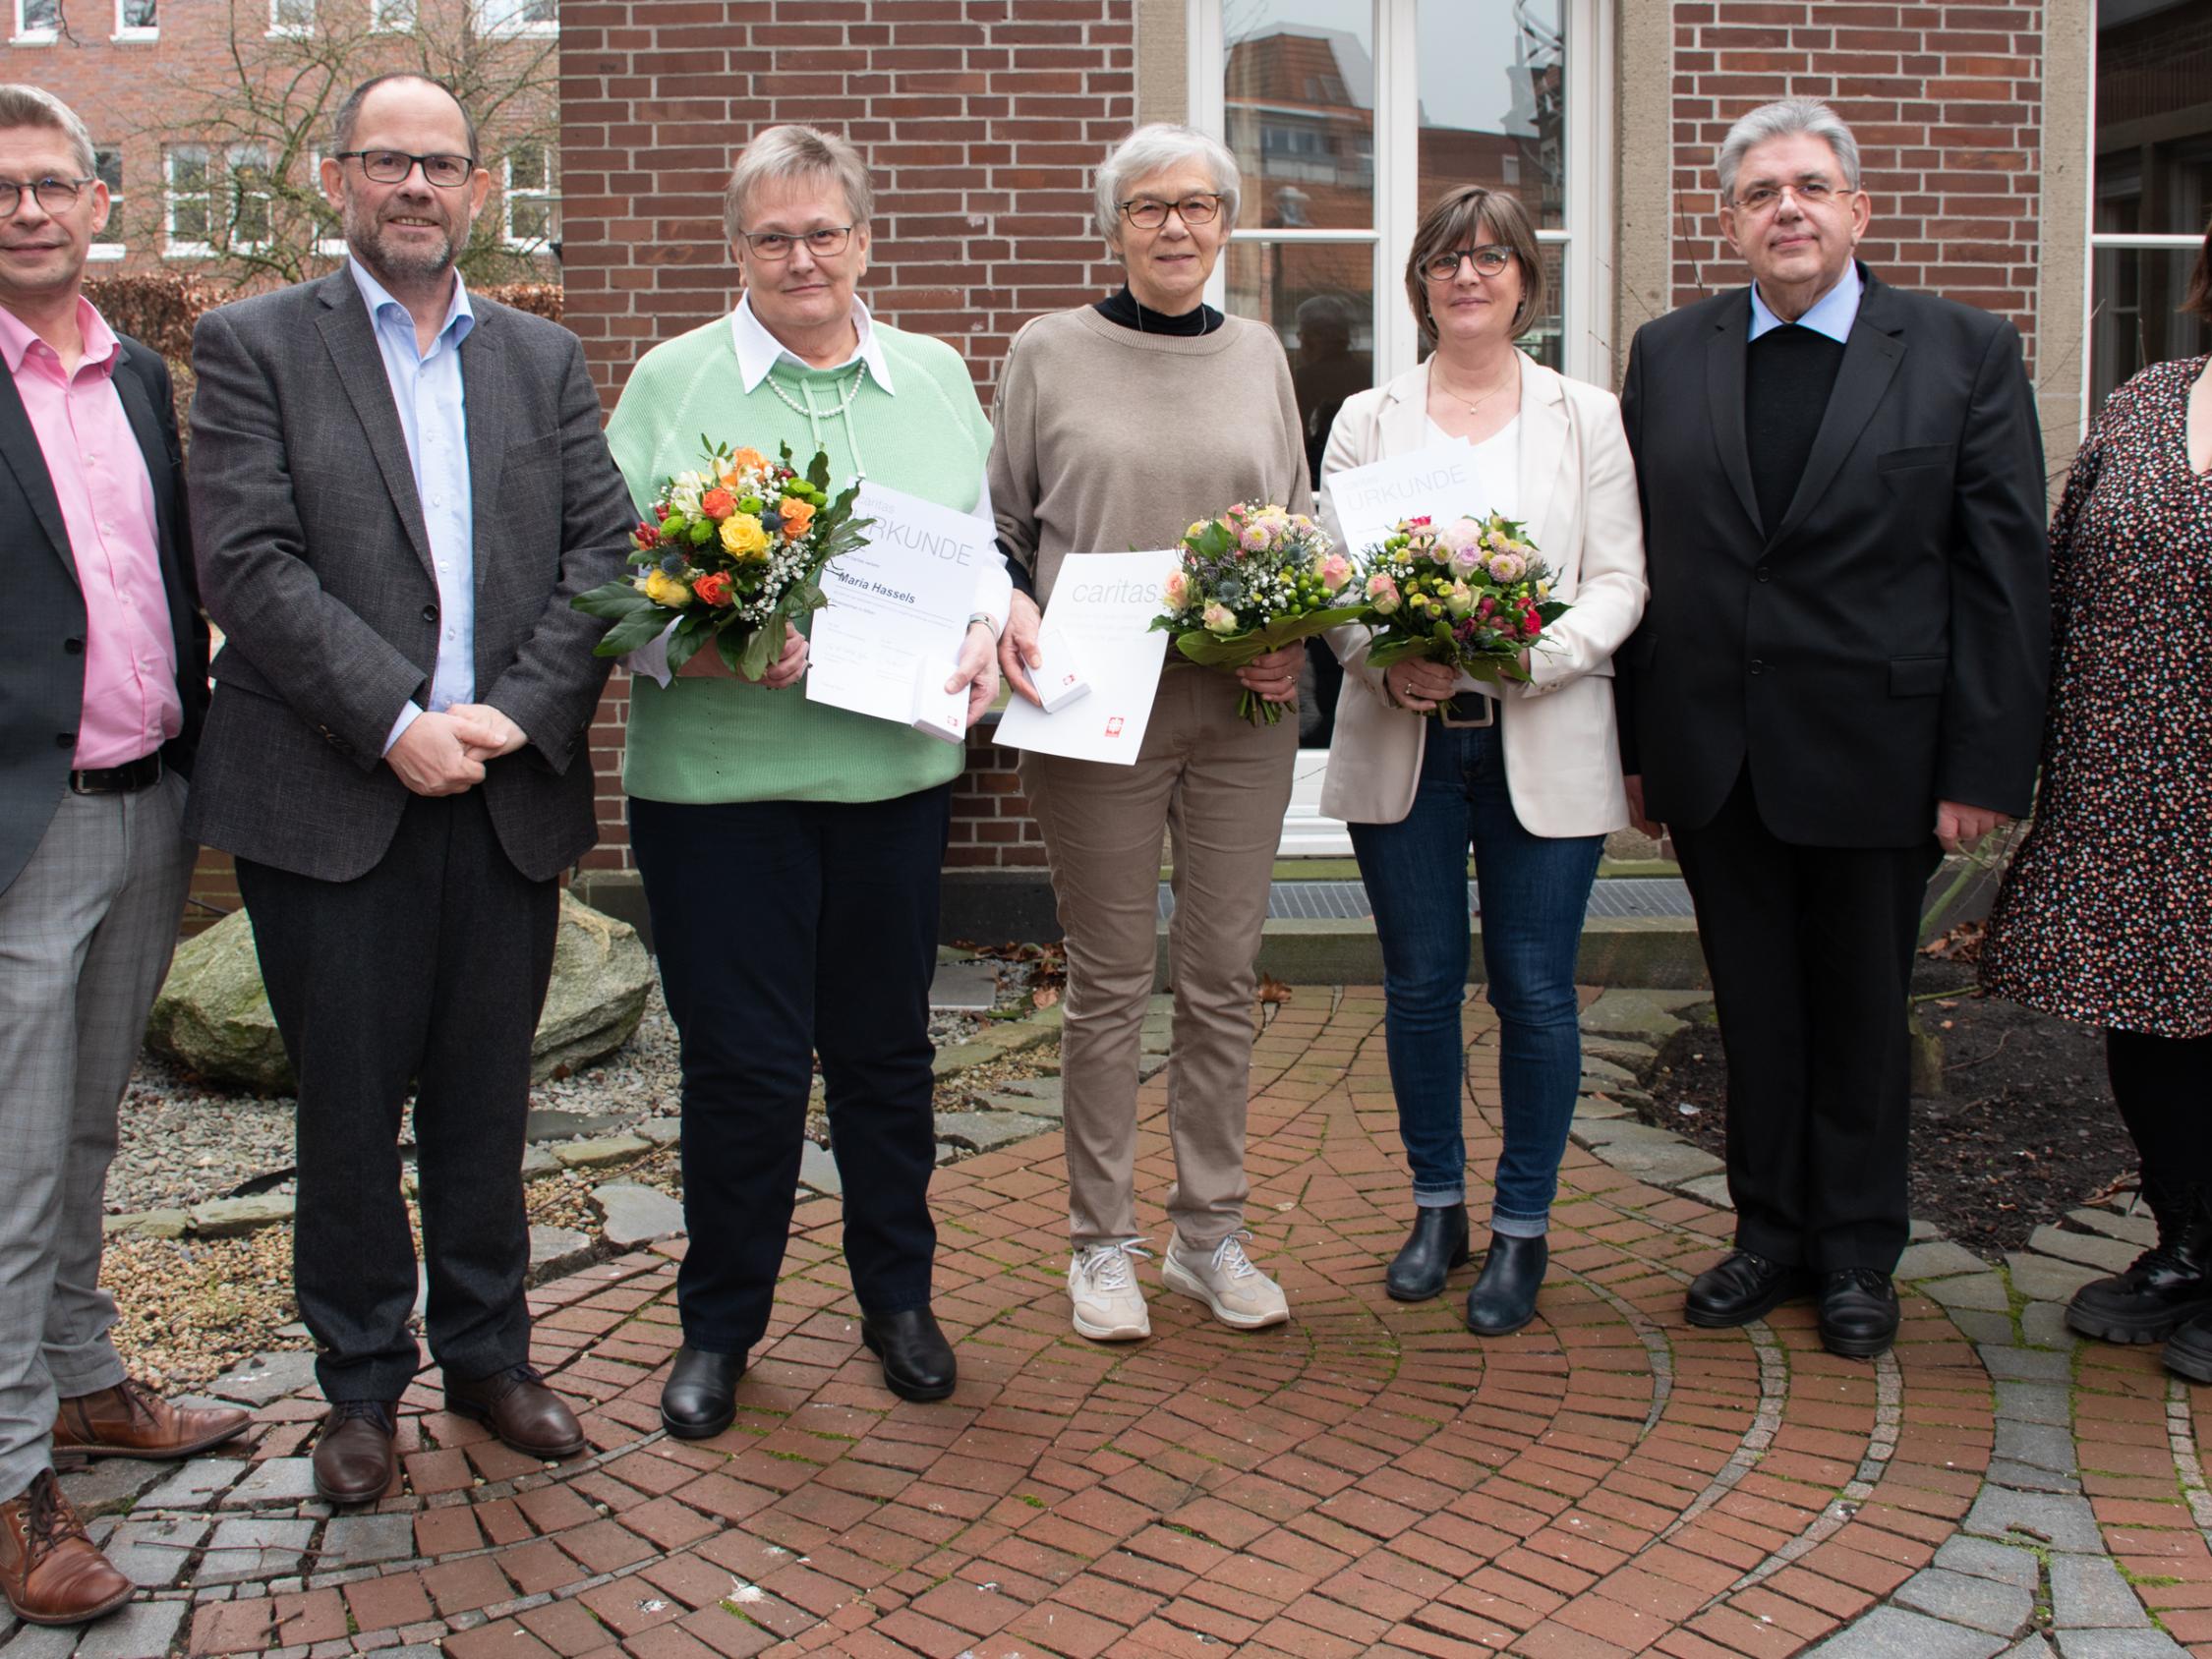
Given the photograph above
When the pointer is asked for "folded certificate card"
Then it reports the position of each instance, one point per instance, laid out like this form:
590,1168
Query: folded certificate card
938,712
1103,605
1439,482
1059,679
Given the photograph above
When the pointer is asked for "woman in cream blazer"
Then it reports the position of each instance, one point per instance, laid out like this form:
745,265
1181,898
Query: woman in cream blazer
1424,765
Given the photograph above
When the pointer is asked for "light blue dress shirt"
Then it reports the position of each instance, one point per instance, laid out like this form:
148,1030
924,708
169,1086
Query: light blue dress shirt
433,419
1833,313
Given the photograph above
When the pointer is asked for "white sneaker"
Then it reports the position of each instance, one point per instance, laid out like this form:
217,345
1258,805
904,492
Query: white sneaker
1239,1294
1109,1306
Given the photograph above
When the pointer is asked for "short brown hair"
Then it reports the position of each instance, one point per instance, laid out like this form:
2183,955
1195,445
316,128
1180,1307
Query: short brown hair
2199,302
1452,223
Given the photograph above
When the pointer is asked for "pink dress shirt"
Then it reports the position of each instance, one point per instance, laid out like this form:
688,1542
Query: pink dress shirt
100,476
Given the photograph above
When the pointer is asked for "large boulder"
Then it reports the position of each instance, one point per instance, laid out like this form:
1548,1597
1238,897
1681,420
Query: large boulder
212,1014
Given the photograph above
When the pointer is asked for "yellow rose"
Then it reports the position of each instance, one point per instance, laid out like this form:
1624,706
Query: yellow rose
743,537
663,589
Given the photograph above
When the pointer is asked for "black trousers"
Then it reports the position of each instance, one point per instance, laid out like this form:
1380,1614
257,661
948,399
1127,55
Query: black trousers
1811,954
430,970
2163,1086
784,928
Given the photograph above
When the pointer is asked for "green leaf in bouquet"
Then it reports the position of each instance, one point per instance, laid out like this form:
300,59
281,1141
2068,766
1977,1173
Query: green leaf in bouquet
637,629
1551,612
613,601
818,469
1402,648
763,645
684,643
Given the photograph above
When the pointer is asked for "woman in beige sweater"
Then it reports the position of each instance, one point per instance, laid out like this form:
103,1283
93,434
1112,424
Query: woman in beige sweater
1117,424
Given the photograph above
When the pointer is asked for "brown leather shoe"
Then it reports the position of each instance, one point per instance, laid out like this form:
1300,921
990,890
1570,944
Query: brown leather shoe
131,1420
518,1407
49,1569
354,1460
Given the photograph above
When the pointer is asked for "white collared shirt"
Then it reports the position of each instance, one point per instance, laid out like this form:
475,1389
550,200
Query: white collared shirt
1833,313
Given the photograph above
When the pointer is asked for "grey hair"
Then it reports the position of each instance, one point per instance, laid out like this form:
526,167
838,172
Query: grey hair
1152,149
349,113
34,107
793,151
1778,120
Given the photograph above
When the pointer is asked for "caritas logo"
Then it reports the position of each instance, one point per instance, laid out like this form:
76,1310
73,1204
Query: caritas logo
1114,726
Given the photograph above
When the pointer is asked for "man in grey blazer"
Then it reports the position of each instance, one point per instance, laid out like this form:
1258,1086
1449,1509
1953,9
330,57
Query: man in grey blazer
398,488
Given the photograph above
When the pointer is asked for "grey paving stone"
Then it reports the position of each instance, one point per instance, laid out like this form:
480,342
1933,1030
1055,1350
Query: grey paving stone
2043,1323
1650,1014
984,1130
244,1549
2024,1365
194,1486
364,1540
971,986
1939,1258
1601,1076
2046,1279
636,1216
1662,1164
613,1148
277,1481
2059,1522
2112,1645
1987,1603
1894,1633
661,1131
2035,1648
142,1631
1149,1066
553,1248
1919,1232
2028,1478
108,1484
2091,1249
263,1378
537,1161
548,1125
1984,1290
2139,1231
2046,1446
1982,1327
818,1170
151,1554
2088,1594
44,1642
1034,1088
2005,1563
1035,1105
1621,1051
1712,1190
1598,1108
2034,1402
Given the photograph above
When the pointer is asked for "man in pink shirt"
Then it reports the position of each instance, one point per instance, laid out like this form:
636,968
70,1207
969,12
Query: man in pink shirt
103,674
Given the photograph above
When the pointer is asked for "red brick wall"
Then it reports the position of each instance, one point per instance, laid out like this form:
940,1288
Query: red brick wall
991,824
982,120
1946,101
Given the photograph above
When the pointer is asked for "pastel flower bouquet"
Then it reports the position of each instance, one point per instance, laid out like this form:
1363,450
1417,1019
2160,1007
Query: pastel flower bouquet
1253,581
1470,593
728,554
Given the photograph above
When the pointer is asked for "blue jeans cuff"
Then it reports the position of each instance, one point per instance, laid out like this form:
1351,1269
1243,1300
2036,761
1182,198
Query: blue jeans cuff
1438,1198
1519,1227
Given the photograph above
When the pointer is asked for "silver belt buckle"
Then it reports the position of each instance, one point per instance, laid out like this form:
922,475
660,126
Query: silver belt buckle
1488,717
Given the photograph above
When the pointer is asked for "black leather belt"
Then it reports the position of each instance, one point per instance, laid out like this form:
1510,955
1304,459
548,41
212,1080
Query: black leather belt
141,773
1468,709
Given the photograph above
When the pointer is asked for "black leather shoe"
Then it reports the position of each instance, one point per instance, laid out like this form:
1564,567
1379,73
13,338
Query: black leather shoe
1436,1245
1858,1312
2188,1350
2167,1286
1503,1298
700,1398
1741,1287
917,1360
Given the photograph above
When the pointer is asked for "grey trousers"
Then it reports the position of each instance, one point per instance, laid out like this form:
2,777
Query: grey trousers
86,931
1219,787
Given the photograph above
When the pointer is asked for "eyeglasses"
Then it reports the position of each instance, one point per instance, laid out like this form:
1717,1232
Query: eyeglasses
773,246
1810,192
391,166
1146,214
53,195
1488,261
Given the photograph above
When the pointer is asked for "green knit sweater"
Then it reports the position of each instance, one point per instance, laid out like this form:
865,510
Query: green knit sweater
701,740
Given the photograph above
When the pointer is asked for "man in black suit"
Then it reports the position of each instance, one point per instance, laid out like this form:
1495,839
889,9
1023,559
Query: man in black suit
396,489
1840,675
104,677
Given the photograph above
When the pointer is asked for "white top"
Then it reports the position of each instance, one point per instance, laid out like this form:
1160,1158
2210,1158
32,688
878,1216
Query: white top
1497,462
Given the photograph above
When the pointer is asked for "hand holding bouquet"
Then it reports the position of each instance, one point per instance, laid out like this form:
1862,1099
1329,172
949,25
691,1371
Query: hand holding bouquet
1468,593
729,555
1253,581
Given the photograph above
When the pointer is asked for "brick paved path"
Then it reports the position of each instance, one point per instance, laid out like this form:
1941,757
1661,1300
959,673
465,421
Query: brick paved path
1367,1480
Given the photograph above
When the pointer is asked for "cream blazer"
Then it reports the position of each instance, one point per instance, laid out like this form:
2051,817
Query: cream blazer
1578,498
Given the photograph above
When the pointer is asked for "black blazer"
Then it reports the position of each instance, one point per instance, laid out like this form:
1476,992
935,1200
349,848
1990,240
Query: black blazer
316,566
42,623
1884,646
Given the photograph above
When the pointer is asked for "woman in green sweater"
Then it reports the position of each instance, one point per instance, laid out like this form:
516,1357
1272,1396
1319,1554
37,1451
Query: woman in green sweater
791,851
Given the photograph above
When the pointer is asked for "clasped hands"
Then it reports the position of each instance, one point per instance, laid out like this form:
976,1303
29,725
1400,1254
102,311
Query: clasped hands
444,753
1958,827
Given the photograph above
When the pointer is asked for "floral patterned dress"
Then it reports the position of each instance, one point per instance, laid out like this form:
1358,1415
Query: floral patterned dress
2105,915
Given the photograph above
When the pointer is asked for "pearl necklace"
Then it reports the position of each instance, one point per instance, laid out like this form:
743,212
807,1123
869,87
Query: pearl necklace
851,391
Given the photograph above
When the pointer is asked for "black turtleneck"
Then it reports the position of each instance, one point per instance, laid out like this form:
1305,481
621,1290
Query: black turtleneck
1128,312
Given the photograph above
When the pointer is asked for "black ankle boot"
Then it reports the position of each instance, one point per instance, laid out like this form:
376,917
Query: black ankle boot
1436,1245
2168,1286
1504,1296
700,1398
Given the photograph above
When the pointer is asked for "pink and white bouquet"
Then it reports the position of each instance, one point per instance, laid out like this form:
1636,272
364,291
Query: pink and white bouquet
1470,593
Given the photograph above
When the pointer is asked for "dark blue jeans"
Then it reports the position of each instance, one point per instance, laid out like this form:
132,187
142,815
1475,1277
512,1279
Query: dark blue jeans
1534,890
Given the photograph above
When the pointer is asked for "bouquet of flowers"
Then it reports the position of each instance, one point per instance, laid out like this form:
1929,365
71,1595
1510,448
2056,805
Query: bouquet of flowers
730,555
1251,581
1468,593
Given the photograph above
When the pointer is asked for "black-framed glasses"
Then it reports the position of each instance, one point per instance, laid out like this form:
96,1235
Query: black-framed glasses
824,242
391,166
1810,192
53,195
1490,259
1146,214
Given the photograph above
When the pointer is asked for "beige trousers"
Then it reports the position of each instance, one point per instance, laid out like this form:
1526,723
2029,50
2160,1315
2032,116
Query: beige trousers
1219,786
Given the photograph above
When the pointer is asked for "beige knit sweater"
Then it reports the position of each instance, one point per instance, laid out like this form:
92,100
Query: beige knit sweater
1107,440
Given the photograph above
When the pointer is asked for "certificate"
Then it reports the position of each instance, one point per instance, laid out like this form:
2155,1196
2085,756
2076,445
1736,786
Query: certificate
899,608
1441,481
1103,605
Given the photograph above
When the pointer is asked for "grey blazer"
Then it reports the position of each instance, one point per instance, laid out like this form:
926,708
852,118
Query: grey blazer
314,564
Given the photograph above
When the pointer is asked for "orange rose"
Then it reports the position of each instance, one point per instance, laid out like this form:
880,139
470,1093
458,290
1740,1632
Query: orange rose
745,461
797,515
713,588
717,504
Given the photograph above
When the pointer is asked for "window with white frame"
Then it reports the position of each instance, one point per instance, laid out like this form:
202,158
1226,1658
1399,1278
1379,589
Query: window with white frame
392,17
251,206
216,200
517,17
291,17
137,19
529,199
1350,117
108,167
38,20
188,201
329,233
